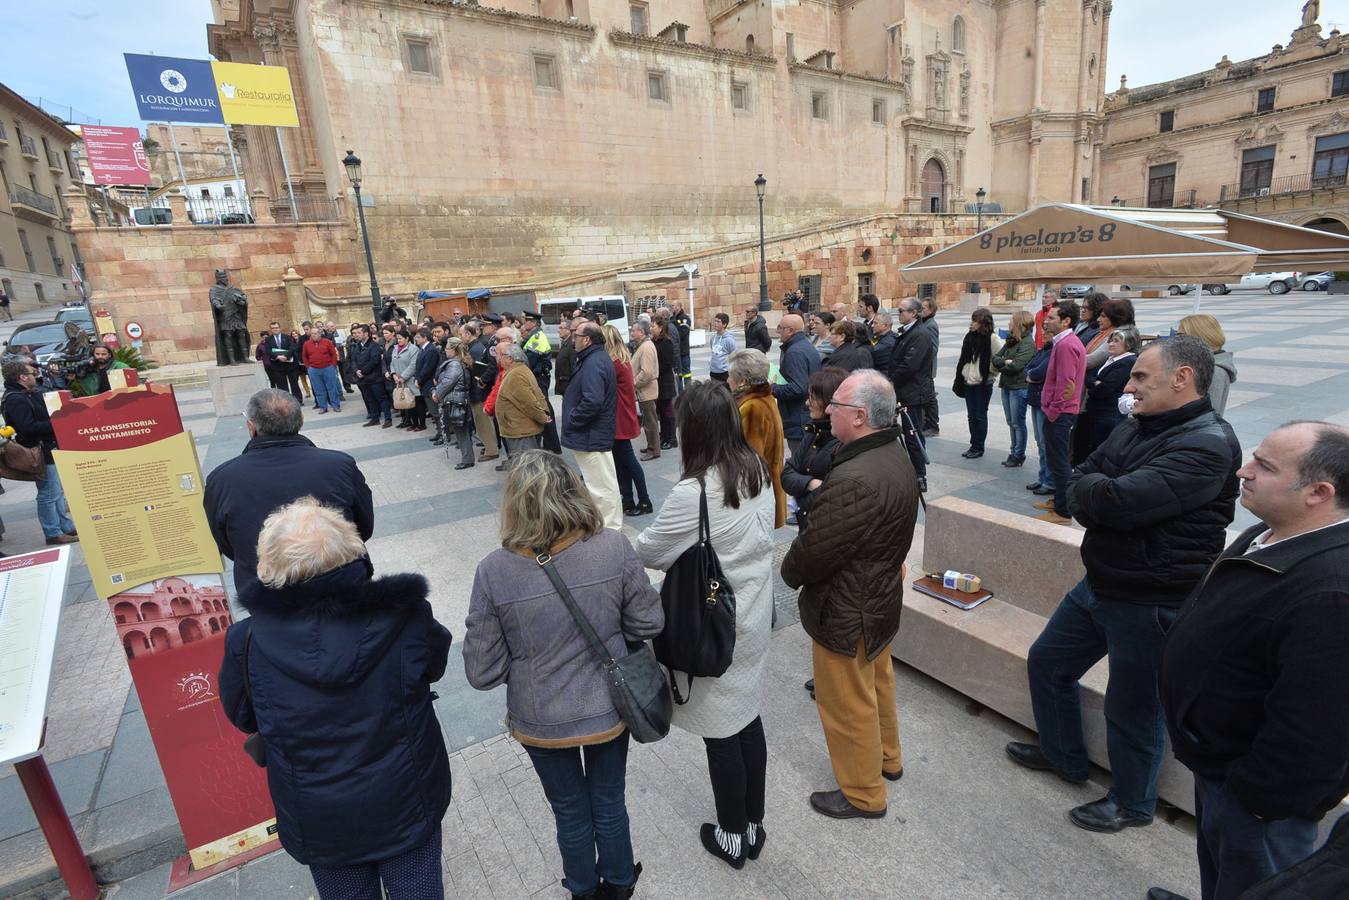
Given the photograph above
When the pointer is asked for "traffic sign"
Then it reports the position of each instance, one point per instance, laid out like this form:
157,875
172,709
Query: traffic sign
134,330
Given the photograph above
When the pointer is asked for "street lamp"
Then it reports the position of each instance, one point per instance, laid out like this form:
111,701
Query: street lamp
979,196
759,184
352,163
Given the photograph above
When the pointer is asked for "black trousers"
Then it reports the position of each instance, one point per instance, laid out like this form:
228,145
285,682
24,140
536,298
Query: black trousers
287,379
930,413
739,767
666,409
550,437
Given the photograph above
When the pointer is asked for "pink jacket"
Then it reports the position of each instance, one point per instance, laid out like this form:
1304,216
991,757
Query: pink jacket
1064,381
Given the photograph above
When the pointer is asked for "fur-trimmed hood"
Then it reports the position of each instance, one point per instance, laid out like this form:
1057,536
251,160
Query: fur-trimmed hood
333,628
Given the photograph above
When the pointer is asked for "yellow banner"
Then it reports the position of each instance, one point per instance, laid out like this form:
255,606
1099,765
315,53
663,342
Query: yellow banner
255,95
139,512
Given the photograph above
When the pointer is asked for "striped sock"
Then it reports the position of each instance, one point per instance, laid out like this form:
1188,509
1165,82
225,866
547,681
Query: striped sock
730,843
752,832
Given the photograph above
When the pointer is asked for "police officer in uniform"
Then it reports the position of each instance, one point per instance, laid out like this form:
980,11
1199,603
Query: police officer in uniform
539,355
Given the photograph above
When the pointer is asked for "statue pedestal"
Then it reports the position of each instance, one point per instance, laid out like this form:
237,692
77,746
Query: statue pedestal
231,386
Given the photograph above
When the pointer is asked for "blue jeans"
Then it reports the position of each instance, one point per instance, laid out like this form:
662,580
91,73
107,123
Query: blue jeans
326,387
1014,410
1081,631
630,474
1237,850
1058,448
1037,421
591,813
51,505
977,397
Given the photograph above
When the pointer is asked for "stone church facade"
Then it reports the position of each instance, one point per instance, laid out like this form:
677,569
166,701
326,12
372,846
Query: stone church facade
1267,136
535,139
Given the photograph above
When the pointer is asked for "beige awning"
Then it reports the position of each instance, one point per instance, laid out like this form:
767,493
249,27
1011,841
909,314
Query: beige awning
1068,242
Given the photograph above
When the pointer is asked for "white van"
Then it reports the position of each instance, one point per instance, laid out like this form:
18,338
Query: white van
555,309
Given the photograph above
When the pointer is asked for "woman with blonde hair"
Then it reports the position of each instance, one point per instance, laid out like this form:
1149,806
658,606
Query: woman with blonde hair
356,764
451,396
520,633
1207,329
1010,364
627,426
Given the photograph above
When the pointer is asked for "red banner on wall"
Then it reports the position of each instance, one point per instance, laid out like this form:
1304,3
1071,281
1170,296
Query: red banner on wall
116,155
172,630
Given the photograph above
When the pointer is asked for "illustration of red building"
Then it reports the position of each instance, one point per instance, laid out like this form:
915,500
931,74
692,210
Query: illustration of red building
174,612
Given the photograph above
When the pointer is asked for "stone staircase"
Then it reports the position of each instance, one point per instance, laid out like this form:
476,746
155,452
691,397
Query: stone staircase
1028,565
180,375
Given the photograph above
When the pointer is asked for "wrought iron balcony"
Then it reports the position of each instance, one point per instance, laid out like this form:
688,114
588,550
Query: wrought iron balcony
32,204
27,147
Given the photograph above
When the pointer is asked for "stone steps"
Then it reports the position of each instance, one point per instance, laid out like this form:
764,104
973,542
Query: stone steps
1029,566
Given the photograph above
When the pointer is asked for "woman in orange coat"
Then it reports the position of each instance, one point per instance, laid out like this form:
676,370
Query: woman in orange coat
759,418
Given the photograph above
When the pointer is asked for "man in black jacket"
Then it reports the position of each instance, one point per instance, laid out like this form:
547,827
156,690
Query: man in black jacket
756,330
277,467
1254,678
910,370
285,356
26,413
931,421
882,342
684,326
589,410
1155,499
798,362
481,346
366,359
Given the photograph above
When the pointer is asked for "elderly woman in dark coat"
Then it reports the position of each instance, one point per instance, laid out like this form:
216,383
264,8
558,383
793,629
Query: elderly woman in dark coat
851,351
814,457
334,669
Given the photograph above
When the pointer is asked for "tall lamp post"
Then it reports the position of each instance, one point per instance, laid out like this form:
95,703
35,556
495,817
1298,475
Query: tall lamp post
352,163
759,184
979,196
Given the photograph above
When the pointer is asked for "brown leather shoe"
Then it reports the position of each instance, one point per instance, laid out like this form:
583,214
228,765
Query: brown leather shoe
63,539
1044,504
836,806
892,776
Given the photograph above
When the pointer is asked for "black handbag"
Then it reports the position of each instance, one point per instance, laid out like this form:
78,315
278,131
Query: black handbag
637,686
958,386
699,602
253,744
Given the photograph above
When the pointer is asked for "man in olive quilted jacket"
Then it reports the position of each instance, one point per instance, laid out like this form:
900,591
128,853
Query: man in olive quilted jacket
850,604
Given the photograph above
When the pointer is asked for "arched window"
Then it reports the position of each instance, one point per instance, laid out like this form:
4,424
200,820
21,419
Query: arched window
125,613
958,34
749,43
189,631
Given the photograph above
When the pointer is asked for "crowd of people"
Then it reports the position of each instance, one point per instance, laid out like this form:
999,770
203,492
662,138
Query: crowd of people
1232,649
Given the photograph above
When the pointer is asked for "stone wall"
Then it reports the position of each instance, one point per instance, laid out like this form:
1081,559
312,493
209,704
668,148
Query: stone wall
161,277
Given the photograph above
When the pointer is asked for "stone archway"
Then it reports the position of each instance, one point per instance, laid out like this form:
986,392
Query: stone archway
1330,224
933,186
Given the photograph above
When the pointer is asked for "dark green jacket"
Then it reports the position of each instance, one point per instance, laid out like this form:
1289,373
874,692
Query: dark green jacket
1010,362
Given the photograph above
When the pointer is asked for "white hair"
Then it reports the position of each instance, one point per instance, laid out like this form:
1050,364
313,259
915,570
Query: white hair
873,392
304,539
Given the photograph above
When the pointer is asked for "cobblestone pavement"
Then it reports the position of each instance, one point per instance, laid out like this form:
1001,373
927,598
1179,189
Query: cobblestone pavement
962,824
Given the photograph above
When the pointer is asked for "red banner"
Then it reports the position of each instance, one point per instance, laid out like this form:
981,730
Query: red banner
173,632
116,155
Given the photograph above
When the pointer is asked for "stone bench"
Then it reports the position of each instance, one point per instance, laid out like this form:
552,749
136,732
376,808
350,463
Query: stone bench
1028,565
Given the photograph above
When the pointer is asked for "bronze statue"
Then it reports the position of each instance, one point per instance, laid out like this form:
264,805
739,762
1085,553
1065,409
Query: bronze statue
229,307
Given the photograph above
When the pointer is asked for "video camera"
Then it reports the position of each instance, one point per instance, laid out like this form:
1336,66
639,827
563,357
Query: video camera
795,302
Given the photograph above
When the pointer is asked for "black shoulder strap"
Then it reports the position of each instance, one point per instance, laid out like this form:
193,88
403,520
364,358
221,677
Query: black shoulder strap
545,562
248,688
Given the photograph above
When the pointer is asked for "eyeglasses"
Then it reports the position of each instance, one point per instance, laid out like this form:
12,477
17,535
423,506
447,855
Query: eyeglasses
841,403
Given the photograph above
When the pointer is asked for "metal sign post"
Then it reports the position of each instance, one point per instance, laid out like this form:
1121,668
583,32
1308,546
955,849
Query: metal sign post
182,175
295,215
234,164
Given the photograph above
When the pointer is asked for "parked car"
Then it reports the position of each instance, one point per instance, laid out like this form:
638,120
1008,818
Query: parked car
152,215
44,339
1274,282
1075,291
1174,290
1316,282
80,315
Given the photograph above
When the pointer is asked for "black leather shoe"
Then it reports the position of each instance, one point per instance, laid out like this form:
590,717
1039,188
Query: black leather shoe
836,806
754,848
607,891
668,445
1033,486
708,835
972,454
1012,462
1163,894
931,432
437,442
810,688
631,510
892,777
1105,816
459,466
1043,491
645,508
370,423
1029,755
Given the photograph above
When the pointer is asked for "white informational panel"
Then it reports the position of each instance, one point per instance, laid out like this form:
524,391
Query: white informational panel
32,586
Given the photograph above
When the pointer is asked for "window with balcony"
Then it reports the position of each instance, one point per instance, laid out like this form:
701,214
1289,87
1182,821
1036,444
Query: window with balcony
1331,161
1257,171
1162,186
1264,101
819,105
657,87
1166,121
1339,84
27,250
637,15
739,96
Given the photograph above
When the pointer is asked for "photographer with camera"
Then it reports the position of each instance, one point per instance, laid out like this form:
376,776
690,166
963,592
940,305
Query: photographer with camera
93,374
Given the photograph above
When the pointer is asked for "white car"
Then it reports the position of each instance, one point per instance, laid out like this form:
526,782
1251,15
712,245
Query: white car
1274,282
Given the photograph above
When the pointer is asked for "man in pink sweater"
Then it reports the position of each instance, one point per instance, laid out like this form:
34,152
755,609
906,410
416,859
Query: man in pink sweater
1061,399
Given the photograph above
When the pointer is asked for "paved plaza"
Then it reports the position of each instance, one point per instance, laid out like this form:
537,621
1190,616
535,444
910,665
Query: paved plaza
964,822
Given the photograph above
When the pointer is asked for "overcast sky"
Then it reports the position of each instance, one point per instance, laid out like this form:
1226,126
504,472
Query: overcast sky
69,52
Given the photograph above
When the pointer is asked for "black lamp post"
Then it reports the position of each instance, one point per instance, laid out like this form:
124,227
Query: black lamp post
979,196
759,184
352,163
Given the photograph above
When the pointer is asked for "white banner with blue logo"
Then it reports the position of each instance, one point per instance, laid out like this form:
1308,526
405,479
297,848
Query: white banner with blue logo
170,89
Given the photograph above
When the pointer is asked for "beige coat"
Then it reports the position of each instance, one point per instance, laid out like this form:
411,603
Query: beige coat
645,370
521,410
